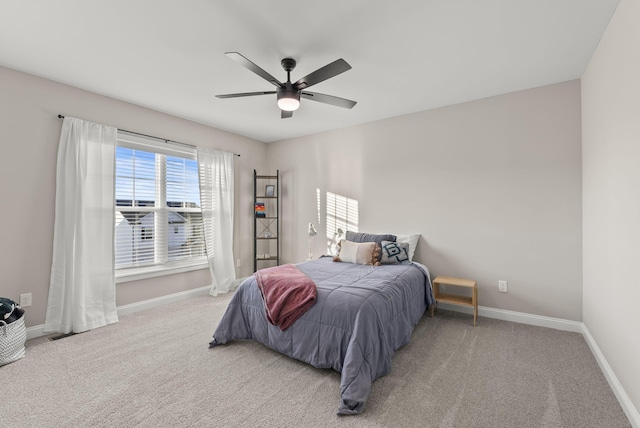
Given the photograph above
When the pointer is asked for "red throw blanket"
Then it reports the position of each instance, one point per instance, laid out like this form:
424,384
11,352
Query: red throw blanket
288,293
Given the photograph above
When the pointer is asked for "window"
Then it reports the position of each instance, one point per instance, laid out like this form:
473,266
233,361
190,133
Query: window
158,222
146,233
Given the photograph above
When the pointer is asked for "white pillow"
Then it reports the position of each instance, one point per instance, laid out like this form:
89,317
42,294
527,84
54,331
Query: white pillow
362,253
412,240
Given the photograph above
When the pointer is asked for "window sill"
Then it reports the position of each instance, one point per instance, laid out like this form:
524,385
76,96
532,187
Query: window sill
135,274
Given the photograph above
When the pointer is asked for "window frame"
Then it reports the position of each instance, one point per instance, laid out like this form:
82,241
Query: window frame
161,209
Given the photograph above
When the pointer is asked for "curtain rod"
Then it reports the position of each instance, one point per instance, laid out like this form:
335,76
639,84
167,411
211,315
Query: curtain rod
151,136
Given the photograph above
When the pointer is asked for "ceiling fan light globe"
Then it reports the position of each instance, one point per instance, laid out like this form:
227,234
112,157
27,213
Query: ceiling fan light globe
288,104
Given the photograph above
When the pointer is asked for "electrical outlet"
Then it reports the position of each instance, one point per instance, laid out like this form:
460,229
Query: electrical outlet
25,300
502,286
238,263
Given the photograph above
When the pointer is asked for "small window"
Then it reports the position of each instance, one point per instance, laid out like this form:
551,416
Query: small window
146,233
158,216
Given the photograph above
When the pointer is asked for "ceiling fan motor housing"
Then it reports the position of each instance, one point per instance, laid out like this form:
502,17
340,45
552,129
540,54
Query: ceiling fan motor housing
288,64
289,95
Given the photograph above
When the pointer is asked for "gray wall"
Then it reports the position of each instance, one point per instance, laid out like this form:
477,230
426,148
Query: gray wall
611,193
30,131
493,186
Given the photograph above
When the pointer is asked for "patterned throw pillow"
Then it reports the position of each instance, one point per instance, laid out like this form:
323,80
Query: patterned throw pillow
362,253
368,237
394,253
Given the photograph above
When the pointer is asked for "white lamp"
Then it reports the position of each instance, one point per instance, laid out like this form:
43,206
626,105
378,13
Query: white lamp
311,232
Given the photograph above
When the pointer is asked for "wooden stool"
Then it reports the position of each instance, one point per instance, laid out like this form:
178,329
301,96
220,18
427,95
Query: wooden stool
453,299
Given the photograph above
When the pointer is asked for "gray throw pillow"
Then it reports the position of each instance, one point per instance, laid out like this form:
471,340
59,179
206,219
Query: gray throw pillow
368,237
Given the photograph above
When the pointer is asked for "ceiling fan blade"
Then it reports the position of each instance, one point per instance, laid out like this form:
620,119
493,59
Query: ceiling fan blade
328,99
285,114
251,66
320,75
245,94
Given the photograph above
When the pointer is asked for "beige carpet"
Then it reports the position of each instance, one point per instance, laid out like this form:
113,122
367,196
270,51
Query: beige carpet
154,369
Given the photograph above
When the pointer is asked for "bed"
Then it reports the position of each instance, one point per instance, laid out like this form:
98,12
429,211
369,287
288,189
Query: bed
361,316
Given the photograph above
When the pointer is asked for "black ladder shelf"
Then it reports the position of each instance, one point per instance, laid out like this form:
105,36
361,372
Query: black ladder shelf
266,220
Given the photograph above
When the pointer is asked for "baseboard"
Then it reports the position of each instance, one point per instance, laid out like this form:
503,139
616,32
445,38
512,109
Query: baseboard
35,331
624,400
519,317
157,301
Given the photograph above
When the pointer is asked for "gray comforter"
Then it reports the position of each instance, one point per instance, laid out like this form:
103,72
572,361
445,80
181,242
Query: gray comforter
362,315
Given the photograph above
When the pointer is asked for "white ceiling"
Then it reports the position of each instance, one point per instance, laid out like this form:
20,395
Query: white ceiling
407,55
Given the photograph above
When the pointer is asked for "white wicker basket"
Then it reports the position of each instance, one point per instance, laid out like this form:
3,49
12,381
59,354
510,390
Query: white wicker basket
12,339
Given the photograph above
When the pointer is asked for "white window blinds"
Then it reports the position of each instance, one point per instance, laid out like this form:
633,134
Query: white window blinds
158,218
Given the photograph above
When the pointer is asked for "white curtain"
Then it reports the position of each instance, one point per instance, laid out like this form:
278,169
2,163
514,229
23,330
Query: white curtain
82,286
216,198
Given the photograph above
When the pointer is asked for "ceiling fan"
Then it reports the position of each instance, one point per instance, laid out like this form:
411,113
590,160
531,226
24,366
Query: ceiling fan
289,94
